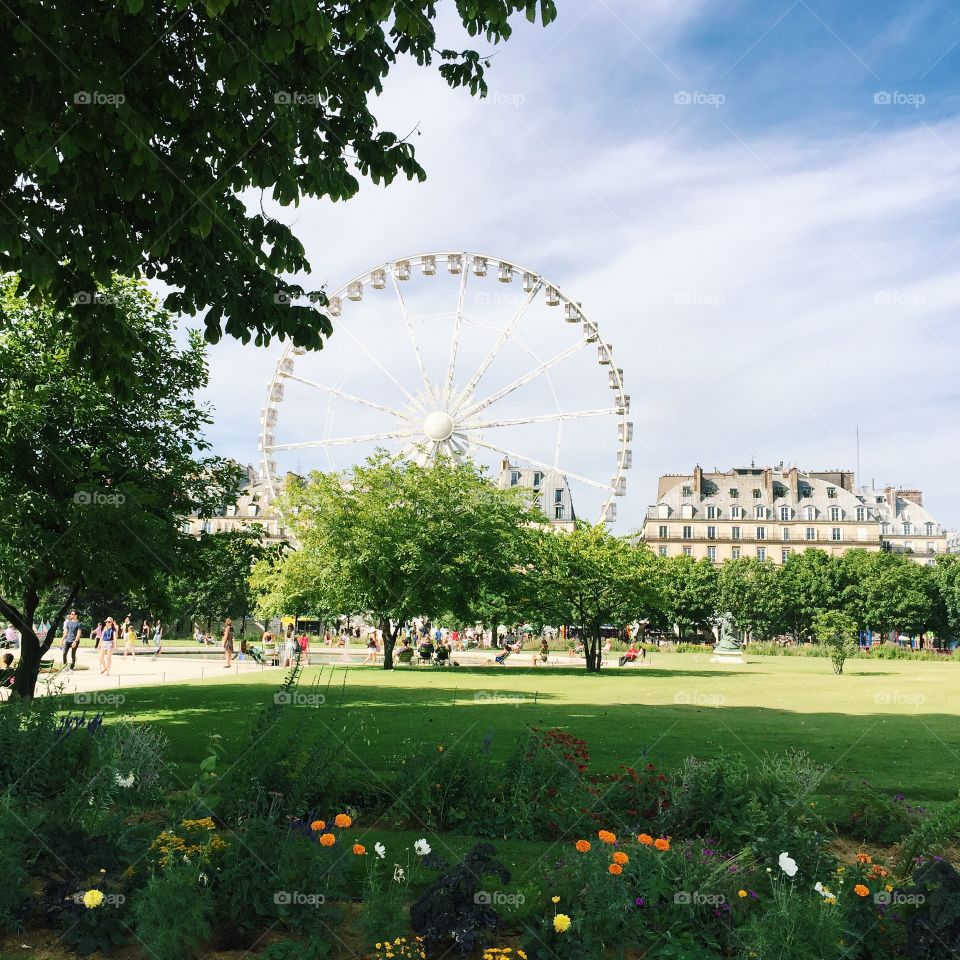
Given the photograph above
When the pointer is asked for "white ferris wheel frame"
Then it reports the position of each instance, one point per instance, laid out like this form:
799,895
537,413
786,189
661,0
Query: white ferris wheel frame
442,398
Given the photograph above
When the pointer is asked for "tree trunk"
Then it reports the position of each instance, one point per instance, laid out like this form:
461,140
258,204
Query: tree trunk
389,640
31,649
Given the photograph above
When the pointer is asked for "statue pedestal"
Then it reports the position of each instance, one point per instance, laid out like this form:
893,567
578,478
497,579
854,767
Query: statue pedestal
726,656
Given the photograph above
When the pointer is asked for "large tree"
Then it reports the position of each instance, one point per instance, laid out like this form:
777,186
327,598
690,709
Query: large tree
130,131
749,591
691,592
92,489
587,578
394,540
807,586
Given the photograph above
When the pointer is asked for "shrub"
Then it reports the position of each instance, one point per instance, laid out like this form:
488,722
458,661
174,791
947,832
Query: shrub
14,831
173,912
877,817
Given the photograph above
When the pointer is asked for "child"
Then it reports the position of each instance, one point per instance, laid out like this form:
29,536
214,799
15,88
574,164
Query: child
130,638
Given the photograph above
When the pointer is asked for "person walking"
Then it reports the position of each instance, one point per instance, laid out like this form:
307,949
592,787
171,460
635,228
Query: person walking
157,639
108,640
71,638
145,633
97,634
228,642
129,638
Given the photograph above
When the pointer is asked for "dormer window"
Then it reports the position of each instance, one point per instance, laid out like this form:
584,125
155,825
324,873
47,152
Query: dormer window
688,491
832,493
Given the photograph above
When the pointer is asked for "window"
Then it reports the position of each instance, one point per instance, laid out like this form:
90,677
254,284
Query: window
908,546
712,554
929,528
253,510
688,491
688,533
558,511
761,553
232,510
834,514
734,493
688,551
784,513
735,512
786,533
756,494
884,527
836,534
734,533
514,477
663,551
784,553
880,500
664,532
861,514
832,493
811,533
686,511
711,533
207,526
759,512
537,479
711,513
761,533
809,513
735,553
907,529
558,495
931,548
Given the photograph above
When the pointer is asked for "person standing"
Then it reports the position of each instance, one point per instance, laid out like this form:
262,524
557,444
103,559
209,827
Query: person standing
97,634
157,639
145,633
108,640
129,638
228,642
71,638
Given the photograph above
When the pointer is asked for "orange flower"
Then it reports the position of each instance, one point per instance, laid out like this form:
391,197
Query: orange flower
317,825
878,871
343,821
583,845
621,858
359,849
861,891
645,839
864,858
607,837
662,844
327,839
615,869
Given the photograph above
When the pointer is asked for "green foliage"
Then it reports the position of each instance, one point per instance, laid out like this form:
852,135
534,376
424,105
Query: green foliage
310,949
142,165
837,633
384,902
15,830
172,913
691,592
748,591
933,834
874,816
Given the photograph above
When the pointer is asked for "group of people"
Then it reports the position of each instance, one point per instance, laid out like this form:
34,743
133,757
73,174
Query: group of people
107,636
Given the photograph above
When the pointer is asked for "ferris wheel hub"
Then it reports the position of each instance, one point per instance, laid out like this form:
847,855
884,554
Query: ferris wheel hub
438,426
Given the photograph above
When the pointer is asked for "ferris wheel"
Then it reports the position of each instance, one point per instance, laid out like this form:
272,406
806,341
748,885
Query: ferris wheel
464,355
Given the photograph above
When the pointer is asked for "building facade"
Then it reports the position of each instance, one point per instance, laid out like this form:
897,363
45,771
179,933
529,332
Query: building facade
770,512
252,506
548,489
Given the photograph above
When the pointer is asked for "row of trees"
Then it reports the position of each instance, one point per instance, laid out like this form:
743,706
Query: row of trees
396,540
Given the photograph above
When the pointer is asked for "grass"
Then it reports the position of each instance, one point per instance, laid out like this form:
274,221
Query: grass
892,723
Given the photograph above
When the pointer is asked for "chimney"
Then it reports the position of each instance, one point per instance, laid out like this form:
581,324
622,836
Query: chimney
891,493
697,480
768,481
793,479
915,496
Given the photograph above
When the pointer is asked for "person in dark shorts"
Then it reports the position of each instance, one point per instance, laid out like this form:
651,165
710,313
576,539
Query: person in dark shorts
71,638
228,642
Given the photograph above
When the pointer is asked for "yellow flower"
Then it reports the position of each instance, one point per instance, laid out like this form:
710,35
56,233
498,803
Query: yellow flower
561,923
92,898
741,893
555,899
888,887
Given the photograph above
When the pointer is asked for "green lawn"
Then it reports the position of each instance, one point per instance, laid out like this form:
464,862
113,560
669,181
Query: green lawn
893,723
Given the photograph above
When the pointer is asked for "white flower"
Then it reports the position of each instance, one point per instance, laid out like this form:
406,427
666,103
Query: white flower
125,782
204,879
380,849
421,848
822,890
787,864
398,875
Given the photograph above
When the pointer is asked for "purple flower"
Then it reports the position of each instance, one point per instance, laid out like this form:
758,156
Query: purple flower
640,902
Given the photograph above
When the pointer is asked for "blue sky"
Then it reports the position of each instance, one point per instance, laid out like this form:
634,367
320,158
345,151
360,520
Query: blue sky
757,202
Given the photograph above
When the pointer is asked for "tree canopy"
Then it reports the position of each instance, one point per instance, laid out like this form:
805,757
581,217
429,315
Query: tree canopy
93,489
131,131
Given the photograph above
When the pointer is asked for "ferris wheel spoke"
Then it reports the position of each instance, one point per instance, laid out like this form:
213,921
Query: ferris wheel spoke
413,339
455,342
556,468
520,381
343,441
471,386
346,396
546,418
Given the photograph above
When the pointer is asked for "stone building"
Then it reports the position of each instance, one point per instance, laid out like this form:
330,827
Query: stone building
252,506
771,512
548,489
